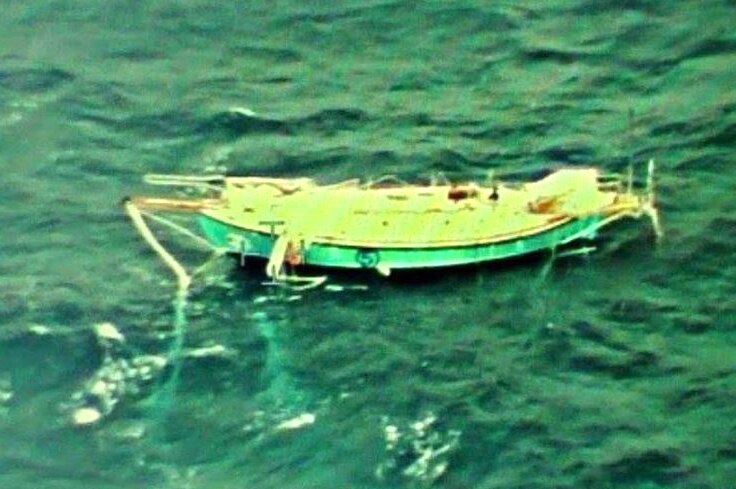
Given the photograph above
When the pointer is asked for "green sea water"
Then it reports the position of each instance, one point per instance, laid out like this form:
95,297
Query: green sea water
615,370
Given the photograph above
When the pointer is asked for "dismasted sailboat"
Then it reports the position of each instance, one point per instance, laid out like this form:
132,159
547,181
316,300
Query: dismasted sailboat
389,225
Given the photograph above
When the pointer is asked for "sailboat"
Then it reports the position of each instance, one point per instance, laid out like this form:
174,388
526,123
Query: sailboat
388,224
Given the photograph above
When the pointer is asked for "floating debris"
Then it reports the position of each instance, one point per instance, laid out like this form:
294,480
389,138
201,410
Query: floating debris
210,351
86,416
300,421
420,451
108,331
5,396
242,111
343,288
116,378
39,329
6,391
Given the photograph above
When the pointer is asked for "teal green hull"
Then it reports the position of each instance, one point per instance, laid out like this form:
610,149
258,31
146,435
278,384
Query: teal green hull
252,243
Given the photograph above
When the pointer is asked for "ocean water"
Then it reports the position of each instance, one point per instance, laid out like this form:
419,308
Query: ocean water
615,370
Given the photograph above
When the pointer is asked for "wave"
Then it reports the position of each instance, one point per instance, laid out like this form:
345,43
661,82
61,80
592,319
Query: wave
32,80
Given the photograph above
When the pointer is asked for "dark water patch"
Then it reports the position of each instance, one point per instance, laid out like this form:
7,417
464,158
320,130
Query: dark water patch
722,307
554,55
221,374
98,167
242,122
424,119
325,17
551,109
413,82
275,80
662,466
61,359
591,332
679,128
193,31
50,473
223,84
712,162
106,97
265,53
725,138
383,159
615,364
62,304
650,7
552,344
617,82
137,54
721,227
502,160
33,80
329,165
169,124
469,20
708,254
569,154
711,47
380,9
525,129
12,305
236,123
450,162
649,67
330,121
693,323
600,111
522,429
698,132
449,365
309,162
694,397
77,167
729,453
636,310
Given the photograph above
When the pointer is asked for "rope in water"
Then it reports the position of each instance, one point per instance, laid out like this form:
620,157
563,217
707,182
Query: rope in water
183,278
184,281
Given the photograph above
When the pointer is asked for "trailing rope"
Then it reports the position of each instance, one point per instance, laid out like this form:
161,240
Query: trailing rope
182,277
184,281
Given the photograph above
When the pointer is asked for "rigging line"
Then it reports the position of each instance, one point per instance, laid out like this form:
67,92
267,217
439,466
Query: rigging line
176,227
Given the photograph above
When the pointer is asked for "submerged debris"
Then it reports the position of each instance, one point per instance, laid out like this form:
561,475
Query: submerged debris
419,451
6,391
116,378
343,288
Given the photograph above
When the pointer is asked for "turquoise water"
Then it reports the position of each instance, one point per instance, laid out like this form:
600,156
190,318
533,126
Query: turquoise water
615,370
